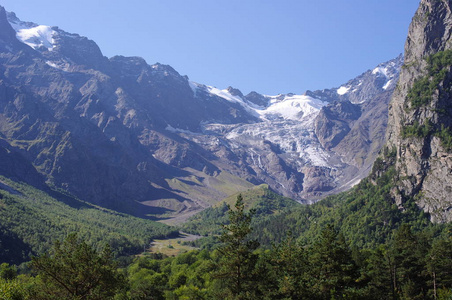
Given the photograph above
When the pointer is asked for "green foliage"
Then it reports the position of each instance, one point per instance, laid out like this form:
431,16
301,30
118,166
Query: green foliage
422,131
378,252
421,92
366,215
262,200
439,266
408,253
76,271
417,130
408,265
186,276
424,88
12,290
290,265
377,272
332,267
435,82
237,263
7,272
445,136
31,220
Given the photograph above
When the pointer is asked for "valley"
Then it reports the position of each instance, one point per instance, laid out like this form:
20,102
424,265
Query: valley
121,179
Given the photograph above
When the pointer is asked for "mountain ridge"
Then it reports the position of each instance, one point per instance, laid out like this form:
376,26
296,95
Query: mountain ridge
142,138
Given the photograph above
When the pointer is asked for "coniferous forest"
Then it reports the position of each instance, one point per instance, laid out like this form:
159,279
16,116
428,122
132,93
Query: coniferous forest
411,264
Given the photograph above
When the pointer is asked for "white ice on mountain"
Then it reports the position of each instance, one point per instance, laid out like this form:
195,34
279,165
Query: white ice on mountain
381,70
287,122
35,36
387,85
343,90
300,108
224,94
388,70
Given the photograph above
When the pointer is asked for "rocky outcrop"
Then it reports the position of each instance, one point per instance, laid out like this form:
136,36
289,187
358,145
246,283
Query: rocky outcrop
420,114
333,122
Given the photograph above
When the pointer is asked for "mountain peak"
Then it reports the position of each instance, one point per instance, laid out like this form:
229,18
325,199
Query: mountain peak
7,33
34,35
234,92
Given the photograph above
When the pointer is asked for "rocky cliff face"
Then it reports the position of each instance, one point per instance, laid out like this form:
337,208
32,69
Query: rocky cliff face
420,113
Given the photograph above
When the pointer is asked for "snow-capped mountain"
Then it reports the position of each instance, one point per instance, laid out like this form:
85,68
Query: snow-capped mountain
296,135
142,138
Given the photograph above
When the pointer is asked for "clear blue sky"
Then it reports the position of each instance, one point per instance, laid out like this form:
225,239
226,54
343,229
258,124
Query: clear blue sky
269,46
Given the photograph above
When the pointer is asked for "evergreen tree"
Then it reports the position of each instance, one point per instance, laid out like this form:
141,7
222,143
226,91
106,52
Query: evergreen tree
292,267
237,262
439,265
77,271
333,270
7,272
378,271
409,254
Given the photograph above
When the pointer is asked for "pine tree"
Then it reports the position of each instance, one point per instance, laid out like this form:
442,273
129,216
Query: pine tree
77,271
408,254
237,262
292,267
333,270
439,265
379,272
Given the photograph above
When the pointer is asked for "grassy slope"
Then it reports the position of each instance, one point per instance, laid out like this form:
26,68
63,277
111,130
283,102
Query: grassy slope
265,202
204,190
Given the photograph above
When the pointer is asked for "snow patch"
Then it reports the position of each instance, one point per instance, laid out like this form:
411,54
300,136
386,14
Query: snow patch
63,66
381,70
343,90
194,86
52,64
224,94
288,107
386,86
35,36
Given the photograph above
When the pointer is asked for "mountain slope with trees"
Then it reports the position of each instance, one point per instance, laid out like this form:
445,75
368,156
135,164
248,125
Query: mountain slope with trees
31,221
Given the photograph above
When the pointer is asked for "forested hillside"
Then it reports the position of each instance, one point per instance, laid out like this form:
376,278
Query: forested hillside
261,199
408,265
31,221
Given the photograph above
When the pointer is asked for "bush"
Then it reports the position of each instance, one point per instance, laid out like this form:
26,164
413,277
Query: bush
423,89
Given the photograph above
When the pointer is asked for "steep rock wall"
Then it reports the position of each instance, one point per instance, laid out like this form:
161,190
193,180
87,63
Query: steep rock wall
420,113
